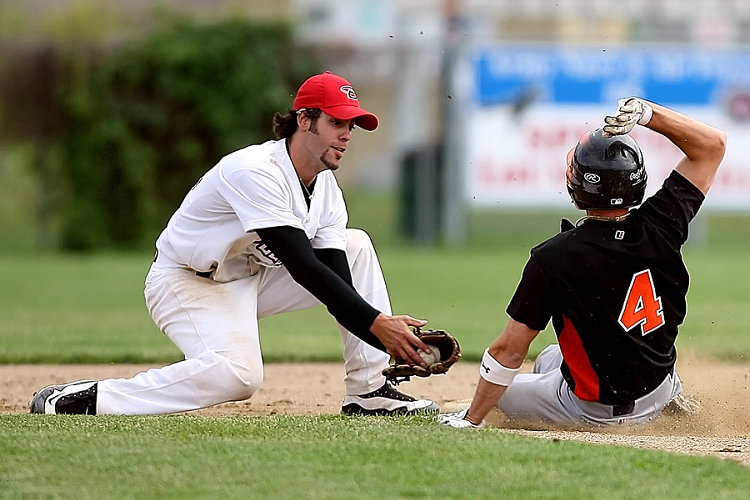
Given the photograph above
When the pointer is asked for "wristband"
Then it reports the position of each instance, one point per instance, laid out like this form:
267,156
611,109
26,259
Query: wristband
494,372
648,113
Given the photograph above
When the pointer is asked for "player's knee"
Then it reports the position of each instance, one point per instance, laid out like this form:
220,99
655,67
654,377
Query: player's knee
243,377
357,238
357,242
548,360
249,381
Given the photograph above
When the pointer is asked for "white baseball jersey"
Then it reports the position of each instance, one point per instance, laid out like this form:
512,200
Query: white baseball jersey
253,188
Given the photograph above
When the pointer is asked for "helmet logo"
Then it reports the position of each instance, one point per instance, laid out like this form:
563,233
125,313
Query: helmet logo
591,177
349,91
616,201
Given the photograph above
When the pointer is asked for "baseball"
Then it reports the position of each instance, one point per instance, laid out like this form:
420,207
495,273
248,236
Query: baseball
432,357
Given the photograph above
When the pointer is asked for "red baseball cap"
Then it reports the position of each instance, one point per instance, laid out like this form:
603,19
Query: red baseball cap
335,96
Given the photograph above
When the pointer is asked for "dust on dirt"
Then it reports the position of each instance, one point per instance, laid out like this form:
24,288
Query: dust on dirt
721,429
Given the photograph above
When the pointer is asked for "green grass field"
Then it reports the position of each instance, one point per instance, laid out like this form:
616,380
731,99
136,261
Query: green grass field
72,309
63,308
332,457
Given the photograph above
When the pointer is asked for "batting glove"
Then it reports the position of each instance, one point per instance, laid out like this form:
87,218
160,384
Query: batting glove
458,420
630,111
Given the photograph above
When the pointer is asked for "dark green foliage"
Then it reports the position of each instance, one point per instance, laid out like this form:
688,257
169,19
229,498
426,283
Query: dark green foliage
161,112
138,123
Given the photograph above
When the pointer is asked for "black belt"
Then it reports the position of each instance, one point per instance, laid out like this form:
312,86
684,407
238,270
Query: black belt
620,410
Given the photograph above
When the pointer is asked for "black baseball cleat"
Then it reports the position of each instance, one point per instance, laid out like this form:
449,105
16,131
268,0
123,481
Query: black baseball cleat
387,401
75,398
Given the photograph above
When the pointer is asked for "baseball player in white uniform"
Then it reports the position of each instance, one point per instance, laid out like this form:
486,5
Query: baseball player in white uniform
261,233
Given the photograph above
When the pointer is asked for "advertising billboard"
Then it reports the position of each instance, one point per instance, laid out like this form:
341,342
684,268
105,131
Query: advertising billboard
531,104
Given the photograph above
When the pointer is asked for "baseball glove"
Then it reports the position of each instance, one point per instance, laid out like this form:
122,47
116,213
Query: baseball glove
450,352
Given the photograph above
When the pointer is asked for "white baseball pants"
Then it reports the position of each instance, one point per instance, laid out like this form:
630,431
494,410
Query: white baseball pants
545,396
215,325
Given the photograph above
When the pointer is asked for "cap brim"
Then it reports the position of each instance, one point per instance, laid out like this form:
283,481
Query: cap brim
363,119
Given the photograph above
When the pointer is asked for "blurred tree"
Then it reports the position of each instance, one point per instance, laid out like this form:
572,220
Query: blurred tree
134,126
30,114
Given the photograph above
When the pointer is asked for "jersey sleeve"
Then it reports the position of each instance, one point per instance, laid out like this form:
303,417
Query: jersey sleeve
531,303
259,198
332,230
673,206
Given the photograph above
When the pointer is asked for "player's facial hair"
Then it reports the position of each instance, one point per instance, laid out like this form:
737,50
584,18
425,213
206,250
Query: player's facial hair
314,130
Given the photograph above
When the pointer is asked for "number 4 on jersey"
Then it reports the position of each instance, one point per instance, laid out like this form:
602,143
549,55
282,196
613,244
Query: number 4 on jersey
642,306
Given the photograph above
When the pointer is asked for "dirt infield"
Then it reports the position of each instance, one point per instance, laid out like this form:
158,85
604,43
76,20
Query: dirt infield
722,429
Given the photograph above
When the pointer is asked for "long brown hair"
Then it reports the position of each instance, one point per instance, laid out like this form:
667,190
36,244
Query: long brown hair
284,126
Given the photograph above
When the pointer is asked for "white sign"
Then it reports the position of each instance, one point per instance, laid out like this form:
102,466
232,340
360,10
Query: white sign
533,105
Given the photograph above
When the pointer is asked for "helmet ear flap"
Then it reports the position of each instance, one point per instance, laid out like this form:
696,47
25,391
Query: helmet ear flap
574,187
570,177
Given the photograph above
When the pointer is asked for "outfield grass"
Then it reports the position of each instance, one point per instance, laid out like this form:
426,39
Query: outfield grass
71,309
333,457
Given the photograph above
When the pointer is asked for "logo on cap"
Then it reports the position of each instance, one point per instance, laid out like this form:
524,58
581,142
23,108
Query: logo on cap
349,91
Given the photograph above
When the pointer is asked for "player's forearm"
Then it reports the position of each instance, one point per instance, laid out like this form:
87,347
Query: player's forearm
500,363
486,397
703,145
291,247
696,139
341,300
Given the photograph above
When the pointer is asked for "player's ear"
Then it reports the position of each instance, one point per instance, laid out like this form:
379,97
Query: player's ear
303,121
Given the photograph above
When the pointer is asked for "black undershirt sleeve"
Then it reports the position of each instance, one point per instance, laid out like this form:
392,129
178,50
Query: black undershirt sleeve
336,261
325,274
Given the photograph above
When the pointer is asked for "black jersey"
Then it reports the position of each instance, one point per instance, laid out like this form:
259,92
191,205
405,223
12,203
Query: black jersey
616,294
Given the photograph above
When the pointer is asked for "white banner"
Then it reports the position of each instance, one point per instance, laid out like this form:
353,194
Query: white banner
518,139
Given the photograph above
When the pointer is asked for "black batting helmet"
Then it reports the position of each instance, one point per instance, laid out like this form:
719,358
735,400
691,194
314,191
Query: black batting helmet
606,172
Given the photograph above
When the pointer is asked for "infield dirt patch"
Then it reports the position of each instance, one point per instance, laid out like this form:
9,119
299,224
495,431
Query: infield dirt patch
722,429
